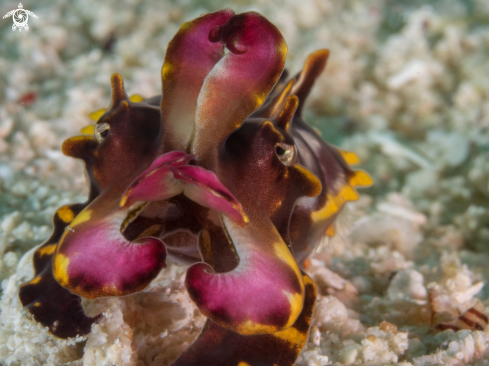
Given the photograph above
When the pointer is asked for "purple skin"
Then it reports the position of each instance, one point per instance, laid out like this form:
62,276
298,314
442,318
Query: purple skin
88,256
266,271
128,140
266,267
93,257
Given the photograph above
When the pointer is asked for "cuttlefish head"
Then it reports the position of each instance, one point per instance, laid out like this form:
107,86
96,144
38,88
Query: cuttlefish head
262,165
93,257
124,142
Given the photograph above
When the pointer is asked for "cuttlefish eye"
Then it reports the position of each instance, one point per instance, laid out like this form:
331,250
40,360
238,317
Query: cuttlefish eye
285,153
101,131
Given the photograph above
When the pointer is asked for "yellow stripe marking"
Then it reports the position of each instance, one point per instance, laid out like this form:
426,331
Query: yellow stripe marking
47,250
334,203
312,180
329,209
296,304
166,70
348,194
259,99
291,335
251,328
60,269
283,253
81,218
151,231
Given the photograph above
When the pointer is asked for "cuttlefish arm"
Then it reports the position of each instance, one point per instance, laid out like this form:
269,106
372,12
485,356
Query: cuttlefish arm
165,178
230,348
239,83
263,294
189,58
157,183
94,259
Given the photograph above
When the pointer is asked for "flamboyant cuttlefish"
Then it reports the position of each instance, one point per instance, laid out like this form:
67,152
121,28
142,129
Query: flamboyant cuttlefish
221,173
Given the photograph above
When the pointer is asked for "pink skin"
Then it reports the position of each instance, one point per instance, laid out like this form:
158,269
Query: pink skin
93,259
255,290
189,58
239,83
157,183
167,177
203,186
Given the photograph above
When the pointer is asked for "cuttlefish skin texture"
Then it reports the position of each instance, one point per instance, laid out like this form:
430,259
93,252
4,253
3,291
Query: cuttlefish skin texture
220,173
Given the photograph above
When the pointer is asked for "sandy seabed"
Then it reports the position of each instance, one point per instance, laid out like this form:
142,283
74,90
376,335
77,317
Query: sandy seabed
406,88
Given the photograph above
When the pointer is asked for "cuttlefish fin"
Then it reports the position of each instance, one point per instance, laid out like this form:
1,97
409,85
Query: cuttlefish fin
49,303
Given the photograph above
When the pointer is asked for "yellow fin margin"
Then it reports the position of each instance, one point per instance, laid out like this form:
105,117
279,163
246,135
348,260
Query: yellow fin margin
360,179
88,130
335,202
350,157
136,98
94,116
